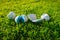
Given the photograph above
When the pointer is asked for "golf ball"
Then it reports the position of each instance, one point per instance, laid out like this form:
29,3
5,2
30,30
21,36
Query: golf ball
17,19
45,17
32,16
24,18
11,15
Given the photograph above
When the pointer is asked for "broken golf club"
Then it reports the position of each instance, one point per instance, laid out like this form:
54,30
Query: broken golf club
33,18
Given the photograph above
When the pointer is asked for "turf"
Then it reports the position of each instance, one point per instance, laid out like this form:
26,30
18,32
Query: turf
46,30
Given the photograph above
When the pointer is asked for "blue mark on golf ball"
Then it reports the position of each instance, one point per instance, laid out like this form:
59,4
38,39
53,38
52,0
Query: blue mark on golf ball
17,19
22,18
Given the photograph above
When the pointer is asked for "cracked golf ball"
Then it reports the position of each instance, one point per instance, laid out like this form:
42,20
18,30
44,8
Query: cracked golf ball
17,19
24,18
45,17
11,15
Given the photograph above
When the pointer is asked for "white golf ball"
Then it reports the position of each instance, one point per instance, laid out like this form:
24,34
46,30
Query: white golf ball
24,18
11,15
32,16
45,17
17,19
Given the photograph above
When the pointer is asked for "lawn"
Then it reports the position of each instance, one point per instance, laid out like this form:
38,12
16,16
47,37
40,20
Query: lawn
46,30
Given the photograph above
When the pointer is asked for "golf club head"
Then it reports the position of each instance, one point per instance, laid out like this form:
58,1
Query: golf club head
45,17
32,16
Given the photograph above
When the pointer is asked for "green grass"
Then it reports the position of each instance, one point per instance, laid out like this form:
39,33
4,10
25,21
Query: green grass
47,30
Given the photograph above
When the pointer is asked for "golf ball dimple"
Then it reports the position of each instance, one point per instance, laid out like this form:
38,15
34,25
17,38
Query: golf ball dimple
45,17
11,15
24,18
17,19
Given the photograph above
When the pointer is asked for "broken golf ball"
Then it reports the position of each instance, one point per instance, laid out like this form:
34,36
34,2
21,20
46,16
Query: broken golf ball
24,18
33,18
11,15
45,17
17,19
